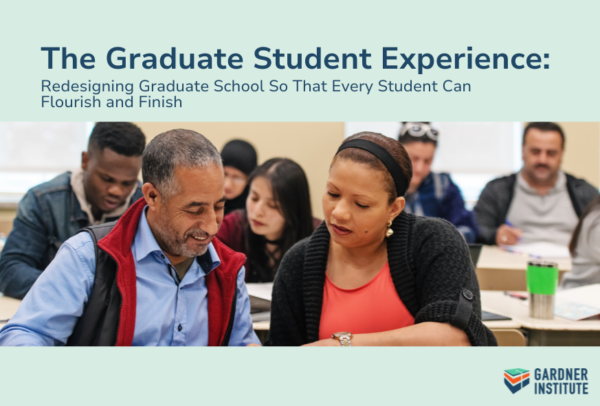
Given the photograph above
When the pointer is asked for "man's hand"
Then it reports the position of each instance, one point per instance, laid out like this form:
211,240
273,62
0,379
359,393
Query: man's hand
507,235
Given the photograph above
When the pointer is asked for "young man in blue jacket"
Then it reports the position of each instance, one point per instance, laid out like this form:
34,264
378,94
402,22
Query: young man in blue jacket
433,194
99,191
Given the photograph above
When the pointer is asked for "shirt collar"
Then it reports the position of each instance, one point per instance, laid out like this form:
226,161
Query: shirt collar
145,244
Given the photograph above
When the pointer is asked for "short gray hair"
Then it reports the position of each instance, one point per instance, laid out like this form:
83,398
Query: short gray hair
175,148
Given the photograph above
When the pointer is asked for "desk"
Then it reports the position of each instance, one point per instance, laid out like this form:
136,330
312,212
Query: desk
501,270
541,332
8,307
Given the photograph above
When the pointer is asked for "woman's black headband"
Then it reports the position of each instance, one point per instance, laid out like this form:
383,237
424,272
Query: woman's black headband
384,156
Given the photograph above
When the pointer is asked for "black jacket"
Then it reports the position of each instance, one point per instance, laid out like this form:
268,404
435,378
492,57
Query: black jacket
430,266
496,197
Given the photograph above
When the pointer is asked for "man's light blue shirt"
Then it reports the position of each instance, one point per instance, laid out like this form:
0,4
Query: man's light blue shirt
168,312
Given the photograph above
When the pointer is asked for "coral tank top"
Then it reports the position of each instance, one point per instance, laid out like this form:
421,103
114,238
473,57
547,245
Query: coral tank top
371,308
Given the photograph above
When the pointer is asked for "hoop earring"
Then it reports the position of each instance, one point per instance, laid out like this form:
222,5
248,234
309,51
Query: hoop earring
389,231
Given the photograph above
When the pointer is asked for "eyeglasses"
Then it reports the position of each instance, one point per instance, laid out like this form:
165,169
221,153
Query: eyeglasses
419,130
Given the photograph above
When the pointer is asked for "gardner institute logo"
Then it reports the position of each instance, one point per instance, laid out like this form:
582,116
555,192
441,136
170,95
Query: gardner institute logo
516,379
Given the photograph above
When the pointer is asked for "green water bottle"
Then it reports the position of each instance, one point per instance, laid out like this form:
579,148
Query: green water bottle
542,280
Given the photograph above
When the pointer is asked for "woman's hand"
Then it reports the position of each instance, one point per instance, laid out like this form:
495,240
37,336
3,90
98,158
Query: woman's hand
328,342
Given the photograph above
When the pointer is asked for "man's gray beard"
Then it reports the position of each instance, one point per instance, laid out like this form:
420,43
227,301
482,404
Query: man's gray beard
173,244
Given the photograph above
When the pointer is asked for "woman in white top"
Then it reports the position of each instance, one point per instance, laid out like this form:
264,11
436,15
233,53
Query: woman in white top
585,249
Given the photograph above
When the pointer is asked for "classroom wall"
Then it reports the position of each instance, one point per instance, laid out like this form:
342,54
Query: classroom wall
582,151
312,145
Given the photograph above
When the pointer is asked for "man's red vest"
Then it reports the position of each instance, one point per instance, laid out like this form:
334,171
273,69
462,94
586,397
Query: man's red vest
109,316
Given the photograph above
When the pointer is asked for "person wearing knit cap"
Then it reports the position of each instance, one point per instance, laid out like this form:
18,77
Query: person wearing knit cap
239,160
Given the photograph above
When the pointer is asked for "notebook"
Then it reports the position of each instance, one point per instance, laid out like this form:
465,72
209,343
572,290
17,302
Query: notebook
487,316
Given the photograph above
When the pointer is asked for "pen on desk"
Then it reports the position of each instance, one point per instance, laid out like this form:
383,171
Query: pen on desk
516,295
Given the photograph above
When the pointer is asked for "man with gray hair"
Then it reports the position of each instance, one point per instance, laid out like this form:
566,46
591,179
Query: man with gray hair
157,276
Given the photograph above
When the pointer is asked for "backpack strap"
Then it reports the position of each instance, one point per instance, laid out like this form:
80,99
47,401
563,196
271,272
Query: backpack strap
97,233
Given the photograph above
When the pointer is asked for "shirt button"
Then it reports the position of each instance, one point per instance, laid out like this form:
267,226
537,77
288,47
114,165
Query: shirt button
162,256
179,328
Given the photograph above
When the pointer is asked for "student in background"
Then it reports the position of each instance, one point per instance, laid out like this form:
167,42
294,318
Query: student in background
372,274
585,249
52,212
239,160
538,203
277,215
433,194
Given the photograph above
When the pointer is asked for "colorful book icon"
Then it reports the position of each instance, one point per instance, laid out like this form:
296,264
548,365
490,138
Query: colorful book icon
516,379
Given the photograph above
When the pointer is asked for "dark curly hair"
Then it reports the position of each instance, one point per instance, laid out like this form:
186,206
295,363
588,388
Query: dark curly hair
123,138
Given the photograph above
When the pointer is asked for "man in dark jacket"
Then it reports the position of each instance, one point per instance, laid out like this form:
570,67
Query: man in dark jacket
540,202
54,211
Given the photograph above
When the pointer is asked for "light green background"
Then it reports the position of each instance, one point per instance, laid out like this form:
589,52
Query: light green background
284,376
568,91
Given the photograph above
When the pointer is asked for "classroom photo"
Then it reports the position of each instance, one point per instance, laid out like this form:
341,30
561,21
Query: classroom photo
341,234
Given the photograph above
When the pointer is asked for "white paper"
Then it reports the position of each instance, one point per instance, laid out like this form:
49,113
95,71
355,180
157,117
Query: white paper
260,290
578,303
575,311
540,250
